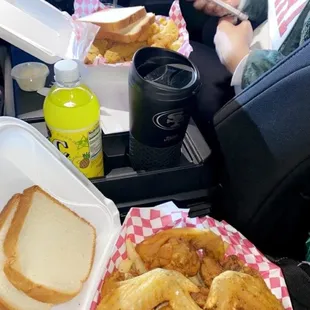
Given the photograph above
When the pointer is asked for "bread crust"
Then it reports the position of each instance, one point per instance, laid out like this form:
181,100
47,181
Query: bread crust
11,269
120,24
8,208
4,306
33,290
129,37
3,216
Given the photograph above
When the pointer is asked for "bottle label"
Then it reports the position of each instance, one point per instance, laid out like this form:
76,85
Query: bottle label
82,147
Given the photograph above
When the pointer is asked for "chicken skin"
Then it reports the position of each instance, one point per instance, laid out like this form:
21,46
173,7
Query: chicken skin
233,290
150,290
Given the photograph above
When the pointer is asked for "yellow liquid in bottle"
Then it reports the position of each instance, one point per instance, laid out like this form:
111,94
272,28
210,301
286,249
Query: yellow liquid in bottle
72,116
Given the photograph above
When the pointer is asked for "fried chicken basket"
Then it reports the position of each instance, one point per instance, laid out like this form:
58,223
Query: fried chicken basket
143,222
86,7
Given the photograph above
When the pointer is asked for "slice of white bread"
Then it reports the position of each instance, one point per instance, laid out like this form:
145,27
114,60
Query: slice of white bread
10,297
49,248
115,19
130,33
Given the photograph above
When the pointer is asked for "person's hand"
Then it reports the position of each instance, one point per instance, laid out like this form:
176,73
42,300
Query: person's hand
210,8
232,42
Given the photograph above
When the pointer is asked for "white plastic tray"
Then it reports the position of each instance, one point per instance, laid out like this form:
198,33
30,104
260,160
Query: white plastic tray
27,158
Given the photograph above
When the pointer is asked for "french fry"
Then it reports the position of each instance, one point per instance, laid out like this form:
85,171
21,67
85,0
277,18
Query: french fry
135,257
196,280
175,46
125,266
163,21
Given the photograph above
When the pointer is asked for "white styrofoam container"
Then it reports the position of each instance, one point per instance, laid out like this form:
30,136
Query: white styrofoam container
39,29
26,159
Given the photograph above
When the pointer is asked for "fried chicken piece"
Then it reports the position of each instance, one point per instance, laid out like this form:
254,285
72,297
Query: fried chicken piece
176,45
113,57
155,28
201,297
150,290
171,29
149,33
102,45
210,268
163,21
236,290
162,40
168,34
176,254
199,238
211,243
234,263
98,48
92,54
121,52
110,283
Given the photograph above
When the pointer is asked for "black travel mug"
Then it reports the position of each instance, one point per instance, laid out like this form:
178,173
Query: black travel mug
163,86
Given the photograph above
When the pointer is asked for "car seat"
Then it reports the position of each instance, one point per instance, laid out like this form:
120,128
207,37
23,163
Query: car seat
264,137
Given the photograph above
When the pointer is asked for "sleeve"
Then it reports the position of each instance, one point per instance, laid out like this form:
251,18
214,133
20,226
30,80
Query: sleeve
305,34
258,62
256,10
238,74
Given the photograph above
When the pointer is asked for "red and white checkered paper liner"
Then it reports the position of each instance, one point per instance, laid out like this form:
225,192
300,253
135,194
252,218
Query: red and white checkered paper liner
86,7
143,222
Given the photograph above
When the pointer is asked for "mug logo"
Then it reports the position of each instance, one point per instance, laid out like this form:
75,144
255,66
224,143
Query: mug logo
169,120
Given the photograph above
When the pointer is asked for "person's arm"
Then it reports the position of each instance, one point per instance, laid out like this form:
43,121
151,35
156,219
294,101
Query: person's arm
257,10
232,45
257,63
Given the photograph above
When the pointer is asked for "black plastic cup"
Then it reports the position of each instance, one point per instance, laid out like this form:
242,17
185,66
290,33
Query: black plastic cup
163,87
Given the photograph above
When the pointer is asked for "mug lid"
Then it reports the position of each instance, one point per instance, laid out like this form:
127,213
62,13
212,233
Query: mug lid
175,76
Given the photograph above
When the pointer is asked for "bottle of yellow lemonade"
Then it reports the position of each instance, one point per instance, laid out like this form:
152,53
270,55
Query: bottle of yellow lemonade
72,116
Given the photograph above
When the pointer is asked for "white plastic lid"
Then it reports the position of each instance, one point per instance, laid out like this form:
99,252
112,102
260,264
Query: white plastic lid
66,71
43,31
